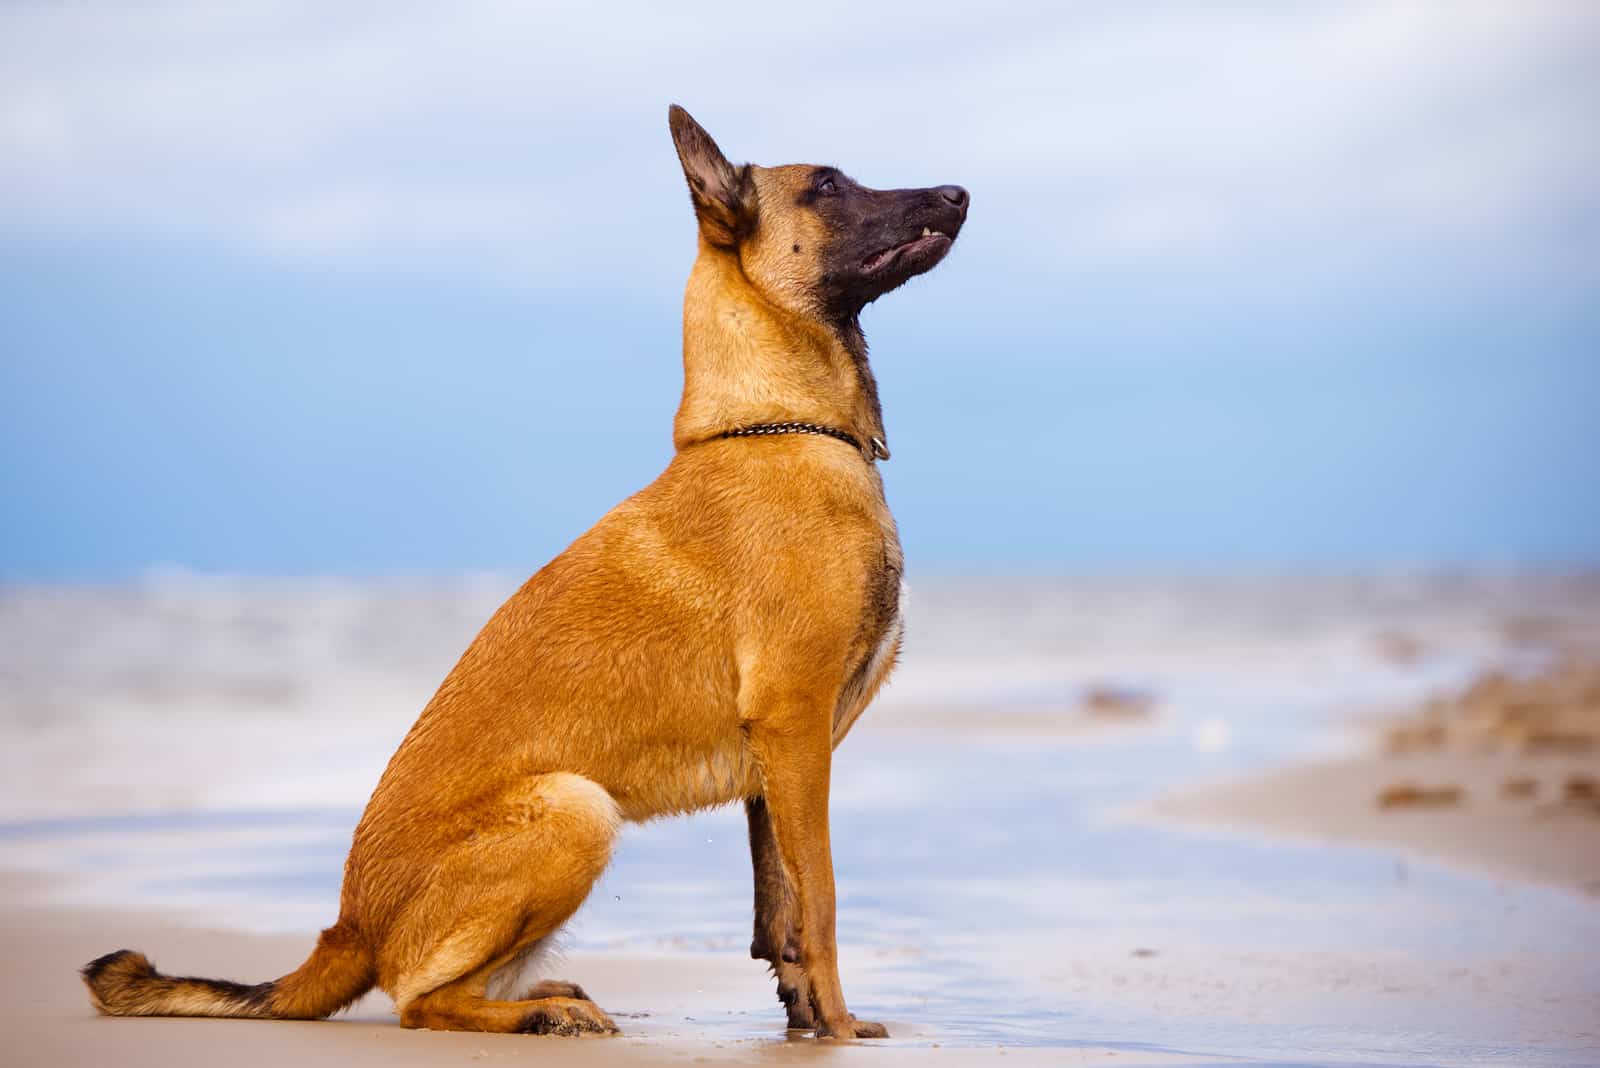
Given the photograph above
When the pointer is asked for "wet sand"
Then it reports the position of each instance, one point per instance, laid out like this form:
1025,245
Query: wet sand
663,1004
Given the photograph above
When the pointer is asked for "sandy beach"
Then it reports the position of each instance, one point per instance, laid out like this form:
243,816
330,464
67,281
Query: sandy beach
1502,777
672,1008
1273,821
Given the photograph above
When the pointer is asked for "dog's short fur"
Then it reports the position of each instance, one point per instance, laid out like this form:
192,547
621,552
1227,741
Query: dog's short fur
710,640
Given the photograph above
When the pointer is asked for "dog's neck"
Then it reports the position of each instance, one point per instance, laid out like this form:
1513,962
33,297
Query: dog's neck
748,361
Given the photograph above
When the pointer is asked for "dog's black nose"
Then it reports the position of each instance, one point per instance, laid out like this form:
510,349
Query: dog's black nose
955,195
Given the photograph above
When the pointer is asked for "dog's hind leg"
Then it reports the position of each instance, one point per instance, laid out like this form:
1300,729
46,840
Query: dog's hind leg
774,940
511,981
494,896
459,1007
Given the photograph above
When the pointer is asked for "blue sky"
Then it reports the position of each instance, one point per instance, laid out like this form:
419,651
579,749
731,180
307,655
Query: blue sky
289,291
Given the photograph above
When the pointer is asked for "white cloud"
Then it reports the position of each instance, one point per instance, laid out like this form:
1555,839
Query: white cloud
488,136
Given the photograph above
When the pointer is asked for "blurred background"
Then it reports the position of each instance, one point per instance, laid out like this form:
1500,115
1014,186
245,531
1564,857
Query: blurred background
1252,420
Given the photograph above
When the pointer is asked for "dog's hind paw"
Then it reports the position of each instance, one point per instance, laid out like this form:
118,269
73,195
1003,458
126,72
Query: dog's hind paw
566,1016
555,988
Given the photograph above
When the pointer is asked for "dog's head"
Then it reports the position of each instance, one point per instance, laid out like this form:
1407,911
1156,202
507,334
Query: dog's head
811,239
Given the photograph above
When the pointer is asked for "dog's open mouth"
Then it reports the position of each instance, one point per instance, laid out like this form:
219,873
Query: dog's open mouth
922,252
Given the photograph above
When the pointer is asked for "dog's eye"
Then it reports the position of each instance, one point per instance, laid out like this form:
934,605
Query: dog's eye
827,186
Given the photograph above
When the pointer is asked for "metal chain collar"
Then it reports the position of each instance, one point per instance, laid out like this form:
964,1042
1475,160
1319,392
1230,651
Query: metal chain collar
879,450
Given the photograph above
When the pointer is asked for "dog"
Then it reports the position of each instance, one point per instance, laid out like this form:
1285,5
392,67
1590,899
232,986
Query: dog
710,640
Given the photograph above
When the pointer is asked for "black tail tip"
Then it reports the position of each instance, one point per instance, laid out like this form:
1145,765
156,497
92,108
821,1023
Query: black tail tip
123,964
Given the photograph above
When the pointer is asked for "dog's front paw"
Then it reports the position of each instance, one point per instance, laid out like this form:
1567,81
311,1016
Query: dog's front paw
795,993
853,1028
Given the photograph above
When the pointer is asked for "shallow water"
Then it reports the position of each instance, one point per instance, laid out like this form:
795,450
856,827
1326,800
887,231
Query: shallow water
990,890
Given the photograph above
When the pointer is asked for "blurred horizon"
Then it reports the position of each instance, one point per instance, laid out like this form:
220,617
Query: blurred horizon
285,291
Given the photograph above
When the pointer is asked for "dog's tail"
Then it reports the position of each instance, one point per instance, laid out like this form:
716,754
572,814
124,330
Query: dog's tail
339,970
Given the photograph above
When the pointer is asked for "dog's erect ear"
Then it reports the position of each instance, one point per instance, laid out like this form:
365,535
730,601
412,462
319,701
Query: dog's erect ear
724,195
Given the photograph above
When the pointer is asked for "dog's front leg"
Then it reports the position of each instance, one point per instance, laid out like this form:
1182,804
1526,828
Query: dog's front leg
775,940
793,744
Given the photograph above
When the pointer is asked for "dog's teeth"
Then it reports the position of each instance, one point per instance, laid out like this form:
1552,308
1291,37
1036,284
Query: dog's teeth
926,232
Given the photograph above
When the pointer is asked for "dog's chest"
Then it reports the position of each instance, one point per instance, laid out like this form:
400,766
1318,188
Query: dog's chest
879,632
691,780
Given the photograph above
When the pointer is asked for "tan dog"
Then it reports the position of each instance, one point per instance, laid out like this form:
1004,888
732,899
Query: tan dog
710,640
